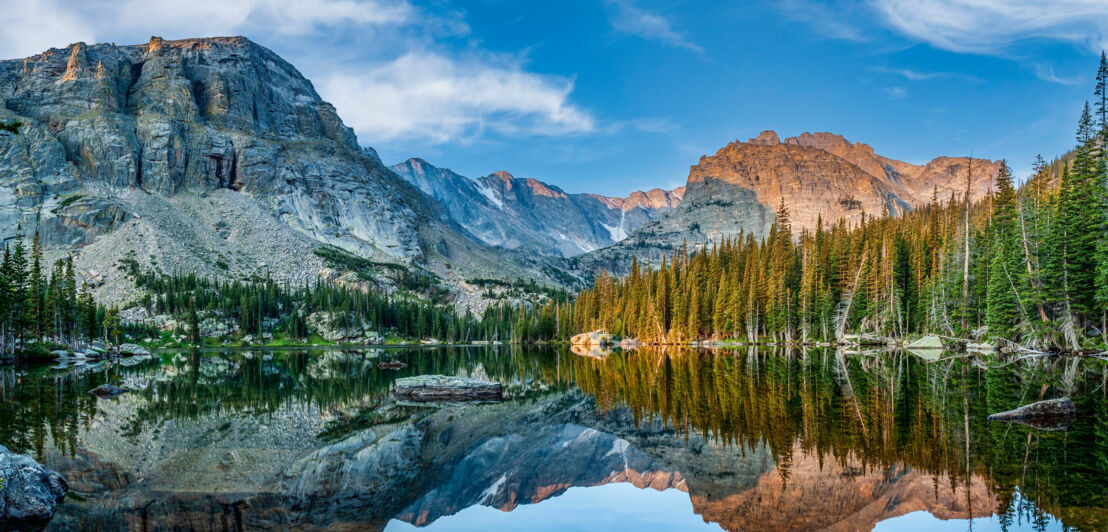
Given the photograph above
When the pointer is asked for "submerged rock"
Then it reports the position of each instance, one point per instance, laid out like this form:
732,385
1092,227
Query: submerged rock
392,364
29,493
107,390
442,387
1051,408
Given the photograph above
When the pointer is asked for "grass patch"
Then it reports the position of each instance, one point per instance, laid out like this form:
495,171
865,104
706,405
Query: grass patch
66,201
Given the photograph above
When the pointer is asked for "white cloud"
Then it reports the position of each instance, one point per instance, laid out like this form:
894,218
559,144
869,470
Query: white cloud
896,93
991,26
430,96
380,62
32,26
634,20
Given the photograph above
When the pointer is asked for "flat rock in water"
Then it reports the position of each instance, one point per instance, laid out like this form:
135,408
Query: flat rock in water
1051,408
392,364
29,494
445,388
107,390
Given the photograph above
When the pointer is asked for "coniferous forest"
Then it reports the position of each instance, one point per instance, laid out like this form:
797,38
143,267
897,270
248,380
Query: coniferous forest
1027,263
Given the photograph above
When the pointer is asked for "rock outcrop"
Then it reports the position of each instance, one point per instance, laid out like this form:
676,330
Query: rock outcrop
529,215
29,493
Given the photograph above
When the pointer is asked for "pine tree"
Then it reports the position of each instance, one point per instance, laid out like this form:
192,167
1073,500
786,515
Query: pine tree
1003,300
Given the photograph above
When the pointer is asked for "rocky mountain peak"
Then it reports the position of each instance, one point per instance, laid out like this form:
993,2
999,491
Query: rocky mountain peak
766,138
243,168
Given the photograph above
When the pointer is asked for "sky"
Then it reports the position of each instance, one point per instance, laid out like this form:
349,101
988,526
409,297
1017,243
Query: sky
611,96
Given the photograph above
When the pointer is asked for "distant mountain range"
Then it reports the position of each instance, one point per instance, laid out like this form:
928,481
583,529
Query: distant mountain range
527,214
218,157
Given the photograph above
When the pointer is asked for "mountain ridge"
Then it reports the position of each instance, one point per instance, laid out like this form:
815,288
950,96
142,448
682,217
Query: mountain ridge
527,214
172,153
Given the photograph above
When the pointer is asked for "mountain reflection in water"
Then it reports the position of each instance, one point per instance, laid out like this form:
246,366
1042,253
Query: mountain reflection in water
747,440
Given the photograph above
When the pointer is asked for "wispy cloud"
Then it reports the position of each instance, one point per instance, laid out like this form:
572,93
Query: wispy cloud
627,17
896,93
992,26
434,97
1045,72
829,21
924,75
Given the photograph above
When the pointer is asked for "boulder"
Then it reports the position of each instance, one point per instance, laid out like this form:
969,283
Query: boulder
29,493
1051,408
445,388
598,338
927,342
58,353
107,390
132,349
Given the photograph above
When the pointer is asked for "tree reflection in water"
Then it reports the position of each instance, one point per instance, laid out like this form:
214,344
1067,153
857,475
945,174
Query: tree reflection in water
883,414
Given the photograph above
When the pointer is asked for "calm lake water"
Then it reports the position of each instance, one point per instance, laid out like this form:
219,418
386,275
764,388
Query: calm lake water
646,440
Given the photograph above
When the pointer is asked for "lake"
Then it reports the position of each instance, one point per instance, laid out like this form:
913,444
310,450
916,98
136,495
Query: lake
746,439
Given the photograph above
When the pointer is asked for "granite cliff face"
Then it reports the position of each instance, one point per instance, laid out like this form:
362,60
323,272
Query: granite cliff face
194,153
529,215
819,176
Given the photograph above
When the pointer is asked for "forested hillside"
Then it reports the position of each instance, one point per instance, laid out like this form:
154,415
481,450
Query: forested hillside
1029,264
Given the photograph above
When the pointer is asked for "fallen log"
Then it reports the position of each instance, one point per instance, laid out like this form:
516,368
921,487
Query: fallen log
1051,408
107,390
446,388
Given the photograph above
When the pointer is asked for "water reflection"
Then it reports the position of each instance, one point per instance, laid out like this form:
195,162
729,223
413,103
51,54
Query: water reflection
752,439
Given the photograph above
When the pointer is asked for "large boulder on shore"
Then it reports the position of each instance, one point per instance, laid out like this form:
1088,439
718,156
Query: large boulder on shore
29,493
445,388
597,338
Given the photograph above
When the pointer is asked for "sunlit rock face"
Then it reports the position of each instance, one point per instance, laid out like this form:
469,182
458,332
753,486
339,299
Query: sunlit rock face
192,152
817,177
515,213
811,492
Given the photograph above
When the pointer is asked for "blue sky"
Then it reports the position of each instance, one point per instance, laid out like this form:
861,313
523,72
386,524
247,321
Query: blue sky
610,96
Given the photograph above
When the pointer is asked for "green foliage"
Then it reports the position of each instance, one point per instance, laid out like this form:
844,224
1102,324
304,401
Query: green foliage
11,127
66,201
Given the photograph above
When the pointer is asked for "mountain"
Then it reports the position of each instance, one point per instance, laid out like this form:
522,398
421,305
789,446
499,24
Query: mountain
529,215
210,155
815,176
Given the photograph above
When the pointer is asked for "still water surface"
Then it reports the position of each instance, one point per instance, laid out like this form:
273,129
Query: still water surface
646,440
